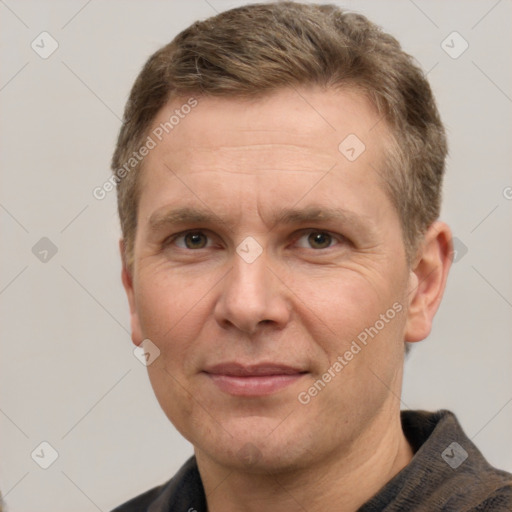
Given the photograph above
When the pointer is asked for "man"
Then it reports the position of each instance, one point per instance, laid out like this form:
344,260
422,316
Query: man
279,175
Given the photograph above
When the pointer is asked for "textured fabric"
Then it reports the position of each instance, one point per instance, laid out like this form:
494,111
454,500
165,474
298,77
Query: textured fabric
433,483
447,473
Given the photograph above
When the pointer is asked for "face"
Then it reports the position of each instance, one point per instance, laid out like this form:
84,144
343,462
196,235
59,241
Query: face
270,272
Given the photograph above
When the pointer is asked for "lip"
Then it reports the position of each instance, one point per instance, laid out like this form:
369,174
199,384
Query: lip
253,380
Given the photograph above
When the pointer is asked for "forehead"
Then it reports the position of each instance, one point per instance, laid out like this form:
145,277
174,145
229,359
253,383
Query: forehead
278,145
313,120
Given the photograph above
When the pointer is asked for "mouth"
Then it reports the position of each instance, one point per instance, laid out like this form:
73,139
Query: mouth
253,380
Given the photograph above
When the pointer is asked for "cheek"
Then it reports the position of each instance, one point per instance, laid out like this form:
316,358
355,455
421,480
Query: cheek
338,306
176,401
173,321
360,352
171,313
164,296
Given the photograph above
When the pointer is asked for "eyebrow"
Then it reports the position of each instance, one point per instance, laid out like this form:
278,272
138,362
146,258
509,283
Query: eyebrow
286,216
318,214
181,216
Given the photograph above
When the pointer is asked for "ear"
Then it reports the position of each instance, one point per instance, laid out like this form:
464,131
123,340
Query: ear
127,278
428,280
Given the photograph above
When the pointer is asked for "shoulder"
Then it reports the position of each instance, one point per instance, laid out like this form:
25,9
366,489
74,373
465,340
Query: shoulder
143,501
447,472
499,501
464,480
183,492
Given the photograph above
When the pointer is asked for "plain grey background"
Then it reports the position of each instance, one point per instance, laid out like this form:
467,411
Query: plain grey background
68,375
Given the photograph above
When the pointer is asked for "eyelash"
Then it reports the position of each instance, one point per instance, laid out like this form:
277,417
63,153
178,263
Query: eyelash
335,237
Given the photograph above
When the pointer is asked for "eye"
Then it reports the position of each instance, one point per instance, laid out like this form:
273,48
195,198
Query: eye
191,240
316,240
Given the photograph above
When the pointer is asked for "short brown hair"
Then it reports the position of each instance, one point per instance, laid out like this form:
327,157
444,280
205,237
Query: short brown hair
257,49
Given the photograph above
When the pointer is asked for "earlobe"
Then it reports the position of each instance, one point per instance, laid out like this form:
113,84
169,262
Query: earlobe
127,279
428,281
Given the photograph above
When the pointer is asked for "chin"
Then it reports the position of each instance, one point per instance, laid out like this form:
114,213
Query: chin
255,445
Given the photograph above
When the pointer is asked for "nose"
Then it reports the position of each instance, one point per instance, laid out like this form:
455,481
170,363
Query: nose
252,296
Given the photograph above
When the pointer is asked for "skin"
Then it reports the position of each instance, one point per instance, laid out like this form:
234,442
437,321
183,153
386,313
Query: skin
317,284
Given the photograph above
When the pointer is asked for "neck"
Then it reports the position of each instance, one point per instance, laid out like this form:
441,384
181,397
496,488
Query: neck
348,478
